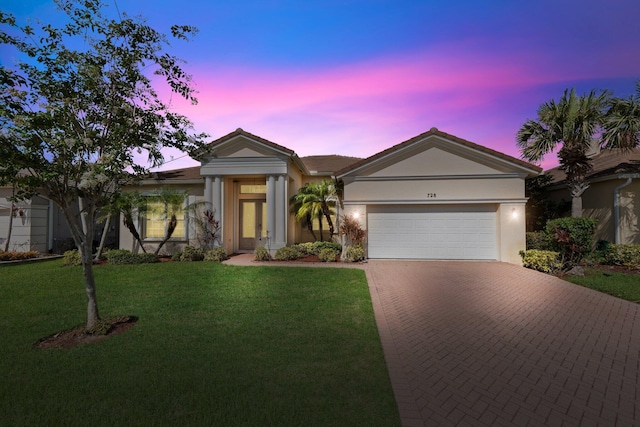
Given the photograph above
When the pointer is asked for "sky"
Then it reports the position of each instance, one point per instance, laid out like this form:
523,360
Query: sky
354,77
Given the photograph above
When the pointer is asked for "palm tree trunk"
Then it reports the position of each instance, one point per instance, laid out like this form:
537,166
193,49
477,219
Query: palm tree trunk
577,189
310,227
171,227
11,208
105,230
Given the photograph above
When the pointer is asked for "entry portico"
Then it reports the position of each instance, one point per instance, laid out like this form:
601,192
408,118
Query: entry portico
247,183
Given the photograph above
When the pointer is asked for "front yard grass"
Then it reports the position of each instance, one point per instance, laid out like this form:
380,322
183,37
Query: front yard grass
214,345
621,285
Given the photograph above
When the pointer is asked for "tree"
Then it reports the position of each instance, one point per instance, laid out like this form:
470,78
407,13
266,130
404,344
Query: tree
306,208
570,124
622,122
77,107
167,204
128,204
313,201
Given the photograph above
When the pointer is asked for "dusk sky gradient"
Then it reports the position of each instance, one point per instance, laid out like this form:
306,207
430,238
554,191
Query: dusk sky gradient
355,77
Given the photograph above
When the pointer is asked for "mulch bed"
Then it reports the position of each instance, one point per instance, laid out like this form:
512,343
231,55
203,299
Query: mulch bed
77,336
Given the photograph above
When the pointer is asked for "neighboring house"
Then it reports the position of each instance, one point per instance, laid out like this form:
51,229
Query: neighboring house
612,197
434,196
39,225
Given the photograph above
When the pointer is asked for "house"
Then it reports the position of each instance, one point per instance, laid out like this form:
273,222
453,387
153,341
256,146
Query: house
39,225
435,196
612,196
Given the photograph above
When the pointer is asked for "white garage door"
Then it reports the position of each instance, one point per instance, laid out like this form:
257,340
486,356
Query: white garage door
433,232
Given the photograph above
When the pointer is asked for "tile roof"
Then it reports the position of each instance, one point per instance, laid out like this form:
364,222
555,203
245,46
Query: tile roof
328,164
435,132
607,162
178,174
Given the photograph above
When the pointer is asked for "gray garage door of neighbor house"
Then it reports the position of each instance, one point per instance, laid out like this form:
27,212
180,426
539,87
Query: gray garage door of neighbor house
432,232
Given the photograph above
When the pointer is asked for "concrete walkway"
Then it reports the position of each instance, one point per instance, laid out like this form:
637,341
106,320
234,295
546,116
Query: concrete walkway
488,343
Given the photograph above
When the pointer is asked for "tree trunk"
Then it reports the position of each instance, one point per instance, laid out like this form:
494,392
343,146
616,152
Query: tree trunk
171,227
128,222
105,230
84,242
577,189
576,207
327,214
310,227
93,317
11,208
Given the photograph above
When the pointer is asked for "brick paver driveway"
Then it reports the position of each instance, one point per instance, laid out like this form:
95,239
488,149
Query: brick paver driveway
488,343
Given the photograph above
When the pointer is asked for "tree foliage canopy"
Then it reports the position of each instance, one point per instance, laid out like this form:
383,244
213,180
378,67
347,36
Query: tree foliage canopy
573,126
80,103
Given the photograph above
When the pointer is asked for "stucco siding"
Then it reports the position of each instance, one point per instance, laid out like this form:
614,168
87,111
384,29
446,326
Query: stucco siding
597,203
434,190
433,161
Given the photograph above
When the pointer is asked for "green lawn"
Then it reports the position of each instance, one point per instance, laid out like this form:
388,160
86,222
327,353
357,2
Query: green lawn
625,286
214,345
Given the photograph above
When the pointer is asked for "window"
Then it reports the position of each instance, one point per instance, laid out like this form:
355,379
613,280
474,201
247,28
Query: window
253,188
157,217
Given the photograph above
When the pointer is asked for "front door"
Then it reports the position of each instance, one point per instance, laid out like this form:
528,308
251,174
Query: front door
253,224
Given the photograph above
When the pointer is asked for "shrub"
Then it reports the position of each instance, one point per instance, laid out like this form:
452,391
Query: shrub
544,261
306,248
16,256
328,255
216,254
123,256
287,253
72,258
262,254
625,255
351,229
176,256
190,253
147,258
354,253
319,246
538,240
572,237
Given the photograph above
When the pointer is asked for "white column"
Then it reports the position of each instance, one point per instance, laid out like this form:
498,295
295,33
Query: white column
271,206
281,211
207,191
216,201
216,197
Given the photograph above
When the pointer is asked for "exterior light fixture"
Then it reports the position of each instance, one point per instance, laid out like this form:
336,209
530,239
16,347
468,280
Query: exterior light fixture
514,213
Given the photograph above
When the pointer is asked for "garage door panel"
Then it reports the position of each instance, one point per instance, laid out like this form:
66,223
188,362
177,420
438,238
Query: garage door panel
435,233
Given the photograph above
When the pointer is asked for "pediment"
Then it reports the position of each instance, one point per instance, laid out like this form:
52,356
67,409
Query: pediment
244,147
434,161
433,155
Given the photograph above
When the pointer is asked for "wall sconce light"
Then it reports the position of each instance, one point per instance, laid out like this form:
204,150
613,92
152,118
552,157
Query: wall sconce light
355,215
514,213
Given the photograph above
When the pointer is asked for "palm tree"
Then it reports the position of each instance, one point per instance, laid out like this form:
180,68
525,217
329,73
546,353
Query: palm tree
571,123
306,208
313,201
622,122
168,204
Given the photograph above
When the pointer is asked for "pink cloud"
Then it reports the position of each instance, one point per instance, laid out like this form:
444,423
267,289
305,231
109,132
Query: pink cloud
361,108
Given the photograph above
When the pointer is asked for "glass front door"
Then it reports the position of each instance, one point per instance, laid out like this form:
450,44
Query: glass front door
253,224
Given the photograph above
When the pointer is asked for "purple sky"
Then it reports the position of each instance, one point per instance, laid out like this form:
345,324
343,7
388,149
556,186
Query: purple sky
354,77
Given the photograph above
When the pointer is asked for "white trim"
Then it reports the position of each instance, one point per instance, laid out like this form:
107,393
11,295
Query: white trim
432,201
435,177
